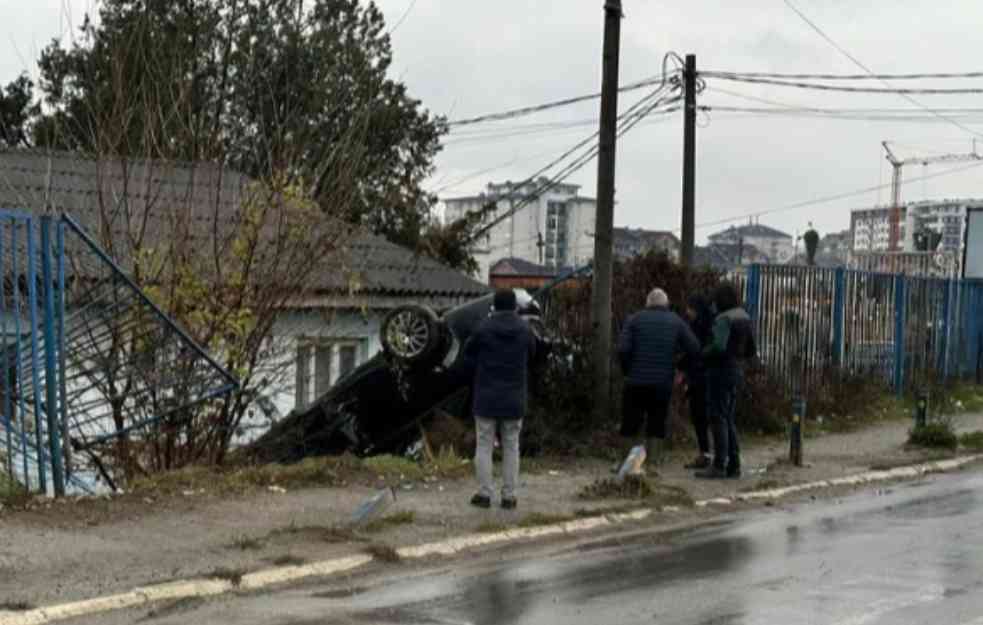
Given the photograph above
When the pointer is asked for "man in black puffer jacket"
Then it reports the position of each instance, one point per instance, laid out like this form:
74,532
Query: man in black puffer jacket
499,353
649,344
733,341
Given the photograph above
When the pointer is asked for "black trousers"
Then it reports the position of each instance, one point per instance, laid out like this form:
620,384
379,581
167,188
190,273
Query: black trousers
647,405
722,389
698,414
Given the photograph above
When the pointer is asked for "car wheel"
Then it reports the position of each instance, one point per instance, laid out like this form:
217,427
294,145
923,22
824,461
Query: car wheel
412,334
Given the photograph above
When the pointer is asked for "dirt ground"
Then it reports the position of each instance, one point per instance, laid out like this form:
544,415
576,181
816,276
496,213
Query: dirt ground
61,551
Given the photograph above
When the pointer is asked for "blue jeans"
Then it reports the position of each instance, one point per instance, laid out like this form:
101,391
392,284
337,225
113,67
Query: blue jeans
722,388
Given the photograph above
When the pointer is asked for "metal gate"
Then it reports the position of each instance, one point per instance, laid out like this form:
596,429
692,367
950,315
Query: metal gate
87,357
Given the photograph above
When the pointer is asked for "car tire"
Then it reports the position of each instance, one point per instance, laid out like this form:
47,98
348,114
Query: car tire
413,335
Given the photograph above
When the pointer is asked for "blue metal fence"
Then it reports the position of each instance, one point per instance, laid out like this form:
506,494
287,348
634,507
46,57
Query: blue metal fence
88,358
814,323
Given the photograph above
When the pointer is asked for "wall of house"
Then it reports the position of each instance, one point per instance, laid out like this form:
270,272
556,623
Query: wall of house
318,333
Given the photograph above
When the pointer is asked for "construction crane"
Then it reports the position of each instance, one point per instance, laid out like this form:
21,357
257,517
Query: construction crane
898,164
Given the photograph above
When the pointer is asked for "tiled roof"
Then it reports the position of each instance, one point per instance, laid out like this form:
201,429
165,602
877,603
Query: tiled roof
93,191
751,230
520,267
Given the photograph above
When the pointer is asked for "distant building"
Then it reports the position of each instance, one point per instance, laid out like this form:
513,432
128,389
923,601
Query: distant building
835,247
516,273
553,229
870,227
778,247
631,242
726,257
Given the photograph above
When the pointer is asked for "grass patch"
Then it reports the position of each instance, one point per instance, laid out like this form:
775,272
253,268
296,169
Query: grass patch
637,488
246,543
233,576
394,468
935,435
383,553
972,440
491,527
406,517
12,493
632,487
538,519
16,606
328,533
288,560
334,471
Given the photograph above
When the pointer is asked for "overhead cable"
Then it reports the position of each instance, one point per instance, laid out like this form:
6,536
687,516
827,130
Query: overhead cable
529,110
838,196
869,71
846,89
870,76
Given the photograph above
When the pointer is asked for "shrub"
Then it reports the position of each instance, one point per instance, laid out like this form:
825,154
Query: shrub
935,435
972,440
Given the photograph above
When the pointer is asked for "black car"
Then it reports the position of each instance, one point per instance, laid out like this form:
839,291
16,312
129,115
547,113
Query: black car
378,406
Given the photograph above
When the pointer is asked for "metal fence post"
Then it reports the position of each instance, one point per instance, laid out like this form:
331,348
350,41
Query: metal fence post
942,361
32,308
50,359
752,300
62,358
839,313
900,304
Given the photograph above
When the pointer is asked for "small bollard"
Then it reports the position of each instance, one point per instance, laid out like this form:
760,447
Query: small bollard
795,430
921,409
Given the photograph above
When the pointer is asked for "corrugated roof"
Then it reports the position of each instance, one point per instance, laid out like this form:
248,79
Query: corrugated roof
210,197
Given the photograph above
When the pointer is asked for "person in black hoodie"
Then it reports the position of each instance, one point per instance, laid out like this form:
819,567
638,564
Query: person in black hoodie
733,341
700,317
499,353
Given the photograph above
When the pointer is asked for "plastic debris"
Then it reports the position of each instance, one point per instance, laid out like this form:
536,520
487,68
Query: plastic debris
633,463
373,507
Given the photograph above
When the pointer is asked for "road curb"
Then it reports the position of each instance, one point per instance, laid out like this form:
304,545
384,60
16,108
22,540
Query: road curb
198,588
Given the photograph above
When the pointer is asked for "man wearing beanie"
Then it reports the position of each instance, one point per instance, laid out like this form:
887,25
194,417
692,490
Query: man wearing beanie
499,353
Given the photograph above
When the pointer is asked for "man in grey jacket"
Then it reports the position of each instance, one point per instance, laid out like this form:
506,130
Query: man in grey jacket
649,344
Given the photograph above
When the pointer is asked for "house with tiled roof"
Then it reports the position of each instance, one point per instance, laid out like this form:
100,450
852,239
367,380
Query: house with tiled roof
518,273
777,246
330,329
631,242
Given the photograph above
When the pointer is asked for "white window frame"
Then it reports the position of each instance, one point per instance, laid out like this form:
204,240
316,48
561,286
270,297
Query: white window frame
308,386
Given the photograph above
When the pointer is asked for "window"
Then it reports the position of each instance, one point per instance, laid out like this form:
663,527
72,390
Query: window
320,364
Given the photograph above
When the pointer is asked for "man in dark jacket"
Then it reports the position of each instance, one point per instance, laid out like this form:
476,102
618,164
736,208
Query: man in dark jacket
733,341
499,352
649,344
701,323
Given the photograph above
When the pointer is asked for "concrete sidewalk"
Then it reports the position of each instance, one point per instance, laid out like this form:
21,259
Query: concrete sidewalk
70,551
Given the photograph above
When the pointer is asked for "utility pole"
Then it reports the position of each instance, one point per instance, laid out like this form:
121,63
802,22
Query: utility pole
604,226
689,161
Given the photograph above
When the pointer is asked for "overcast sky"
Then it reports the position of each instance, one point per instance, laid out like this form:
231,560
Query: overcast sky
469,57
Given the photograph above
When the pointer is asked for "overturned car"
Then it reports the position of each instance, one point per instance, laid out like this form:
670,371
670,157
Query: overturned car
378,407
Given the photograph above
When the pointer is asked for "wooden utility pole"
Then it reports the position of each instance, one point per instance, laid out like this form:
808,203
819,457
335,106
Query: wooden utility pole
604,226
689,161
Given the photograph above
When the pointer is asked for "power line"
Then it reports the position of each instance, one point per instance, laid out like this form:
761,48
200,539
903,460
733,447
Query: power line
832,198
846,89
868,76
529,110
859,64
630,118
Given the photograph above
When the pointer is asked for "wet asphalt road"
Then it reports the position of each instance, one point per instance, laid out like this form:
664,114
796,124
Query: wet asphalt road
911,554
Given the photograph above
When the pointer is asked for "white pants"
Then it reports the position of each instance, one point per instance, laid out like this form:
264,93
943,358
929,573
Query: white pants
510,456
